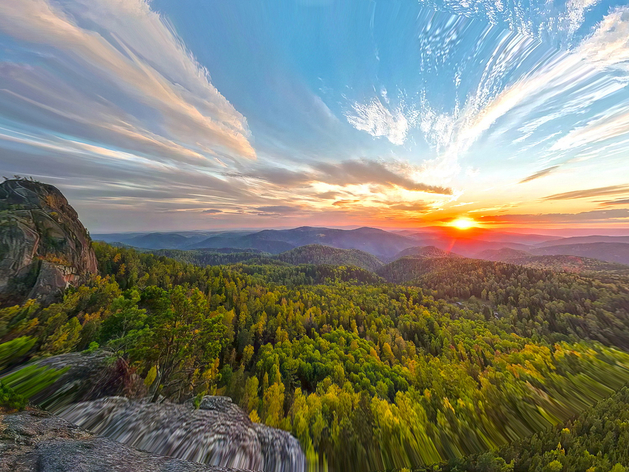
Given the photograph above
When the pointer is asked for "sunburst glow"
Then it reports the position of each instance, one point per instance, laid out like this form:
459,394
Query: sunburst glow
463,223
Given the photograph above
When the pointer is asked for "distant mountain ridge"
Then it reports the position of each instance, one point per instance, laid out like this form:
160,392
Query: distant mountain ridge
389,245
374,241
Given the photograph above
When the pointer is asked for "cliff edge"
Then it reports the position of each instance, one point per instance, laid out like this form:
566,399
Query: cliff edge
43,245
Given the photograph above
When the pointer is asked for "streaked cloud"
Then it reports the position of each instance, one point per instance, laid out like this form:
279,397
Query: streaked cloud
590,193
605,126
526,18
277,209
618,201
539,174
620,215
345,173
414,206
110,65
362,171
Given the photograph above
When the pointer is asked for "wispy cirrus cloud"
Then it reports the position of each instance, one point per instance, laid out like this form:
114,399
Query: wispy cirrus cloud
618,201
539,174
418,207
601,128
279,211
619,215
383,120
590,193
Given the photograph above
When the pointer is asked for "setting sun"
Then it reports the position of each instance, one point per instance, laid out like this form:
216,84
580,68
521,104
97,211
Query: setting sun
463,223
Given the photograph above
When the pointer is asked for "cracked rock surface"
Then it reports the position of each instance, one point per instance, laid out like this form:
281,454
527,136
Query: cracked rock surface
37,441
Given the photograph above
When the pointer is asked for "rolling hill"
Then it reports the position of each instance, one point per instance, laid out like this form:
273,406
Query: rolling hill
610,252
424,251
503,254
219,256
318,254
562,262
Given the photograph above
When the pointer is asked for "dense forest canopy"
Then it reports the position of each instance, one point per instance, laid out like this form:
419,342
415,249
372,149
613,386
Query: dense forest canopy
464,357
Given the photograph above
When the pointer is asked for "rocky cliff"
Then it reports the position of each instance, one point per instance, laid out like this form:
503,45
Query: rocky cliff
43,245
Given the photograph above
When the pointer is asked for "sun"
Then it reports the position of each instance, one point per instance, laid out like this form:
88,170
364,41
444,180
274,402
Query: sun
463,223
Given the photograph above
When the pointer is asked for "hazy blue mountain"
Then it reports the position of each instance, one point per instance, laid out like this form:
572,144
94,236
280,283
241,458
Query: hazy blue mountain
374,241
167,240
158,240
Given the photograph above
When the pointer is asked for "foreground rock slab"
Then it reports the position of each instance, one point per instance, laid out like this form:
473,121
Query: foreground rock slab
218,433
37,441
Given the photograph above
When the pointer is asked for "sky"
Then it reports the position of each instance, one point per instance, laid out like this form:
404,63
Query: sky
213,114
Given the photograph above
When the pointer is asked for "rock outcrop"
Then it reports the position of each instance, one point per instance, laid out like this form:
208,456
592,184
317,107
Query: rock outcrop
218,433
36,440
43,245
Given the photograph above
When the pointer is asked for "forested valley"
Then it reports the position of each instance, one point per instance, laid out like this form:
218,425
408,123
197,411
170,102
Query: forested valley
443,363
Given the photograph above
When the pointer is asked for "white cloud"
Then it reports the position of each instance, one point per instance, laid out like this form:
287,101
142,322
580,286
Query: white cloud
576,12
599,129
378,120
